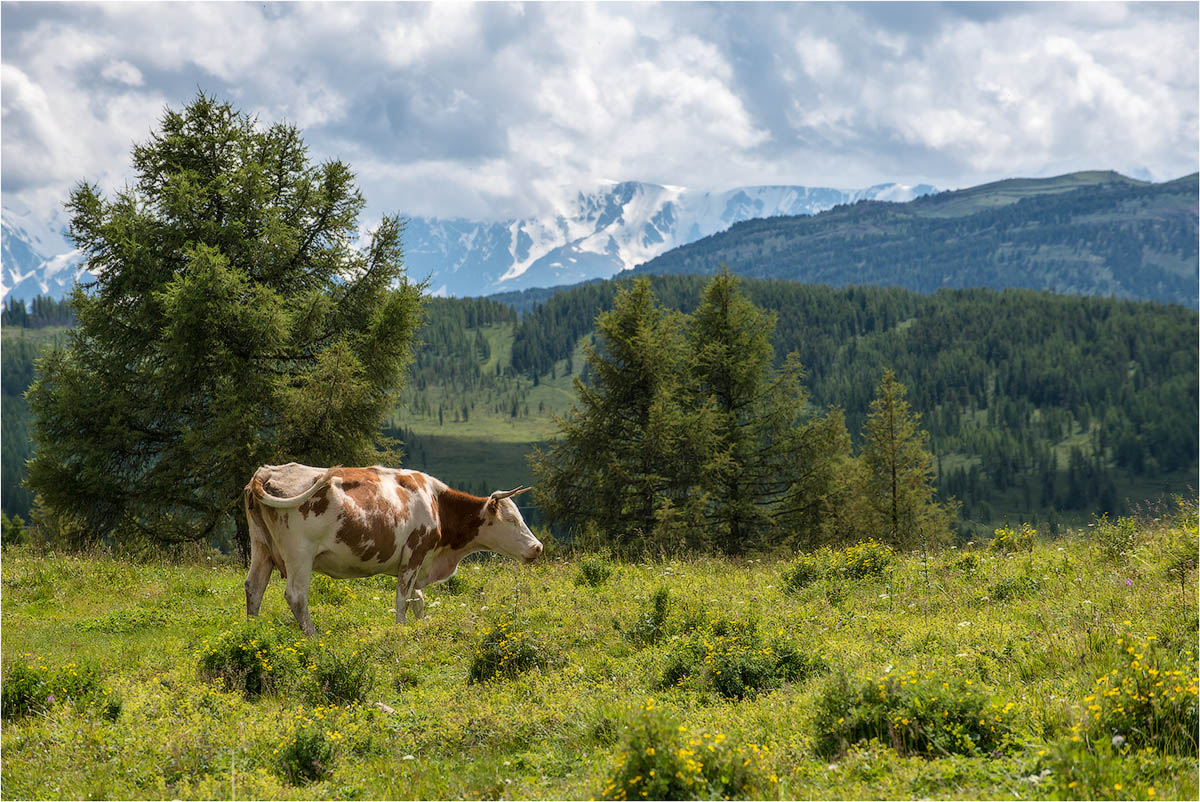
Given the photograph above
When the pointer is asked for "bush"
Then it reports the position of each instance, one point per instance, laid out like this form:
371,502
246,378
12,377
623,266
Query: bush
31,687
593,572
658,762
967,563
1007,540
308,754
1116,539
341,676
1149,700
255,659
860,561
505,652
915,716
651,624
1014,587
13,531
455,585
731,658
324,590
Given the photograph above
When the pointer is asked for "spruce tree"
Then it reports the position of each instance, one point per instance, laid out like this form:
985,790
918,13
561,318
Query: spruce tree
232,323
897,492
770,456
630,453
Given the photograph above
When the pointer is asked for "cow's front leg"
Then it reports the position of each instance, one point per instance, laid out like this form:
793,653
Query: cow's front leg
406,583
296,593
416,603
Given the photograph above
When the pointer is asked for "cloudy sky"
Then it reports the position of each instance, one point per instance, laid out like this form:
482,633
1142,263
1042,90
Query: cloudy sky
494,110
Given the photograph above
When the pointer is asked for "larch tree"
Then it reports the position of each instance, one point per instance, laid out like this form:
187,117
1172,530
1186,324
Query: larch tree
897,495
233,322
628,457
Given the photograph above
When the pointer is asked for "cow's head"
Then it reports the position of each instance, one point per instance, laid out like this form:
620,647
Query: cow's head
504,529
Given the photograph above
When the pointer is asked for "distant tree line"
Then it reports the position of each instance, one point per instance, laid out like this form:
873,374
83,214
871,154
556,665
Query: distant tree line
42,311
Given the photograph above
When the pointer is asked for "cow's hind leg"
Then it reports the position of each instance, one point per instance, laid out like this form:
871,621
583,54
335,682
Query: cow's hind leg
296,593
257,578
261,563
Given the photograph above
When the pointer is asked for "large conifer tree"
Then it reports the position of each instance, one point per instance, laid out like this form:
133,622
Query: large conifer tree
233,322
629,457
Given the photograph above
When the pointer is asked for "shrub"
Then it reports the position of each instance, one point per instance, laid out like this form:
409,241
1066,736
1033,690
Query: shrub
1007,540
308,754
340,675
659,762
505,652
254,659
31,687
1014,587
731,658
13,531
805,570
324,590
1115,538
916,716
1149,700
455,585
860,561
967,563
651,623
593,572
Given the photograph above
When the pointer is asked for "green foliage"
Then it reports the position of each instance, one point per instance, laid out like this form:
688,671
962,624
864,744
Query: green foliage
651,623
505,652
1007,540
232,323
30,687
860,561
1013,587
732,658
13,531
307,755
594,571
926,715
634,444
1116,539
661,760
254,658
43,311
1149,699
341,674
897,490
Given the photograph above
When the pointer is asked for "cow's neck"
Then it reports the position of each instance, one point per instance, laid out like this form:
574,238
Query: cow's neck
459,517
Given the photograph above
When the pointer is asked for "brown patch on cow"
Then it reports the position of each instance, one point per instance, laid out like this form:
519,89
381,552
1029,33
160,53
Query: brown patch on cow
413,482
317,504
368,521
420,541
460,516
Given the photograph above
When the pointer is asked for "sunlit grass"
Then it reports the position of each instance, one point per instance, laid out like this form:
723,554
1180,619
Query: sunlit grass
563,727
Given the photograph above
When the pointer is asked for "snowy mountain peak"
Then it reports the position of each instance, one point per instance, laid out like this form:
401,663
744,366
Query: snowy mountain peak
595,234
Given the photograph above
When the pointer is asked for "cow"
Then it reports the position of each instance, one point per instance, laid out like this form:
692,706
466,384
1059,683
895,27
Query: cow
353,522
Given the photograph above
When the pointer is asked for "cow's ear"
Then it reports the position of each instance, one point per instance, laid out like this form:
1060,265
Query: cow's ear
493,505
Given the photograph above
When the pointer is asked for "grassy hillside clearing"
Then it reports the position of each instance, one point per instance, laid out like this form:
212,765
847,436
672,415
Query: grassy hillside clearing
986,674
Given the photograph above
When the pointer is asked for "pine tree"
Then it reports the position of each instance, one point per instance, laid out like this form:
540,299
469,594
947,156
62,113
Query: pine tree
232,323
897,490
628,456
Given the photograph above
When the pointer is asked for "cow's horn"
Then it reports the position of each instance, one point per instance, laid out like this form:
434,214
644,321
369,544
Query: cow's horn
499,494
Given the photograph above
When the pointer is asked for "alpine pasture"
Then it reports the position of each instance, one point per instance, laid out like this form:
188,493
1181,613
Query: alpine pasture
1022,667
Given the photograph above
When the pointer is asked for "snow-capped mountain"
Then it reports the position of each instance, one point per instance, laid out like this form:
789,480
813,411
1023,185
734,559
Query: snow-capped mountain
593,235
599,234
35,256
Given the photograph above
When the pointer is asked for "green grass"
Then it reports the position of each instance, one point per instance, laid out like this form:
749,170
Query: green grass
576,722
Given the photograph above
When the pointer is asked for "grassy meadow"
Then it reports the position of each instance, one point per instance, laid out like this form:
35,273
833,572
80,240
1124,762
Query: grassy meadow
1025,668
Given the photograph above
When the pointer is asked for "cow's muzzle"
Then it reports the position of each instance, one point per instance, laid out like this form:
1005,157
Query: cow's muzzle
533,553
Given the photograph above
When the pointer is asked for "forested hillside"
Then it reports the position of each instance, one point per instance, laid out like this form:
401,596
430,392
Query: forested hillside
1095,234
1033,400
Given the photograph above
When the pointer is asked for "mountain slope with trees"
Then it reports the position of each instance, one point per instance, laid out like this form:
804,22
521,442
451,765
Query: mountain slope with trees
1099,234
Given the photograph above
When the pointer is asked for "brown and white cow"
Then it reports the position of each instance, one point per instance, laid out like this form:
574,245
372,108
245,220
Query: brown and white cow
350,522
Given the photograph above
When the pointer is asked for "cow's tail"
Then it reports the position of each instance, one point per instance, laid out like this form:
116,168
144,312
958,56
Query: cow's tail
263,497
